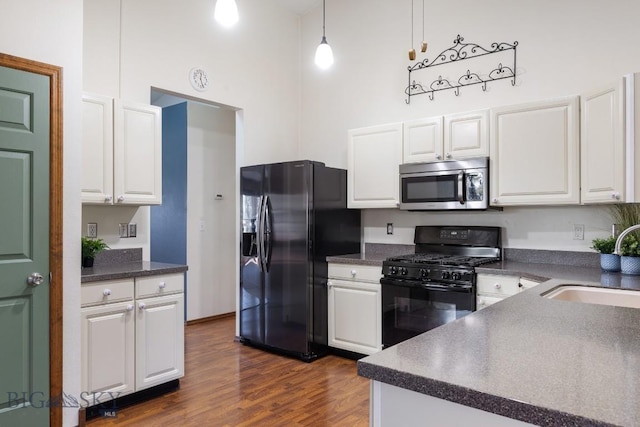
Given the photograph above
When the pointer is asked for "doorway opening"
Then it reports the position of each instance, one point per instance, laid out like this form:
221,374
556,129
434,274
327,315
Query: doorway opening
196,223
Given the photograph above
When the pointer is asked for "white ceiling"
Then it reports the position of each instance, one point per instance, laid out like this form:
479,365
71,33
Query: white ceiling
300,7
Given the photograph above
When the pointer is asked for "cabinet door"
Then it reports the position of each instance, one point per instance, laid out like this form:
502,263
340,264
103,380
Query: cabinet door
374,156
602,145
137,154
355,316
97,149
422,140
107,351
534,153
466,135
159,340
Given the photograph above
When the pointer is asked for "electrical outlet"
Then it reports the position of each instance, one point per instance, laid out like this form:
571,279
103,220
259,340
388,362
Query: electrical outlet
389,228
92,230
578,231
133,230
123,229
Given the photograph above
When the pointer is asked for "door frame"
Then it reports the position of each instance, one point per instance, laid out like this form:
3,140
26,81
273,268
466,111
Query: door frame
55,224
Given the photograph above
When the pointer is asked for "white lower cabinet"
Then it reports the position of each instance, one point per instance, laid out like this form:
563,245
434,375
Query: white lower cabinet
354,308
159,340
491,288
108,354
132,335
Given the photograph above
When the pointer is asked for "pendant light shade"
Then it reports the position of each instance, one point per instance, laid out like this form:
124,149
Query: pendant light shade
226,12
324,54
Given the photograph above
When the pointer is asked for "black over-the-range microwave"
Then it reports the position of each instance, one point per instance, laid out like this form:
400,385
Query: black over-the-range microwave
445,185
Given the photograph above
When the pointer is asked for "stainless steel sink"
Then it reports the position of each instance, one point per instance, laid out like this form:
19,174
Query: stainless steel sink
595,295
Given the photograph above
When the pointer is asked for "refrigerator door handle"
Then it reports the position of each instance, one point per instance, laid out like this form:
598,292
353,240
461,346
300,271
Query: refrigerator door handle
259,232
267,233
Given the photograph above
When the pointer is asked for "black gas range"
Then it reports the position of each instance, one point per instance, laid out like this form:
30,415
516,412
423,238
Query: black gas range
437,283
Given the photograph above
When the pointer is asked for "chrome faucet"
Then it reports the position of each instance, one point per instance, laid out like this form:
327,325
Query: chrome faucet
622,236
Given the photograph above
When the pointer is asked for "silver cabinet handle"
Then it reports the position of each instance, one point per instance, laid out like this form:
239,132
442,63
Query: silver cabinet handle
353,273
121,198
108,198
449,155
106,292
329,285
615,196
35,279
130,307
497,286
162,285
142,306
438,156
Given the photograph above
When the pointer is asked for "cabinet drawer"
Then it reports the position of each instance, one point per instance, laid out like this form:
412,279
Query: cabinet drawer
484,301
106,291
498,285
365,273
159,285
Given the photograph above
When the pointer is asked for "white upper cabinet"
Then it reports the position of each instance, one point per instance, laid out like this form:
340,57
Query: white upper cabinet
97,148
422,140
610,153
137,154
121,151
466,135
454,136
602,144
373,158
534,150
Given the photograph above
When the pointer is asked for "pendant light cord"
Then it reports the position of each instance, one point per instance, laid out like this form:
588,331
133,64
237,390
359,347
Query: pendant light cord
422,20
412,3
323,17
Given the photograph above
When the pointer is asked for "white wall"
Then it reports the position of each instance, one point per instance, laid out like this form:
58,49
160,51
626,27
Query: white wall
565,47
50,31
211,222
253,65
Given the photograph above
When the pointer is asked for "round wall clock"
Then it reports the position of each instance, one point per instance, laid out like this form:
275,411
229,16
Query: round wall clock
199,79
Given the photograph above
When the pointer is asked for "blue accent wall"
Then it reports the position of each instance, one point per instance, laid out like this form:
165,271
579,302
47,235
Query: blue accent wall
169,221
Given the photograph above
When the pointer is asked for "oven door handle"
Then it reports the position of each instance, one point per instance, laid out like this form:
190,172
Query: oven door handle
461,187
445,288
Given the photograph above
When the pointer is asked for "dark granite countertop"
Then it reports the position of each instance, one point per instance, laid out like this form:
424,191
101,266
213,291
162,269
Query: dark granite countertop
124,263
542,361
128,269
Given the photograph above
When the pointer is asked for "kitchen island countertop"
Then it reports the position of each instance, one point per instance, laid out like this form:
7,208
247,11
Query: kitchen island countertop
529,358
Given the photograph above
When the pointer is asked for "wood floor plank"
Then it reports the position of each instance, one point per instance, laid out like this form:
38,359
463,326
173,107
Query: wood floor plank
229,384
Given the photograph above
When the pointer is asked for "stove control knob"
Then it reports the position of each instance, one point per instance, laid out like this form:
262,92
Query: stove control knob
403,271
455,276
445,274
393,269
424,272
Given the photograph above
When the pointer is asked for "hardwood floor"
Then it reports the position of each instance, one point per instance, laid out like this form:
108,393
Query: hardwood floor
229,384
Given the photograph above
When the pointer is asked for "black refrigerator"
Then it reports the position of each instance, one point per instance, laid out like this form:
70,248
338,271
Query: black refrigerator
294,215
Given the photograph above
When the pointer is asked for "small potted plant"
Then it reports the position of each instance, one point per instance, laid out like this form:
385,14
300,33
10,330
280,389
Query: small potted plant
630,251
608,260
90,248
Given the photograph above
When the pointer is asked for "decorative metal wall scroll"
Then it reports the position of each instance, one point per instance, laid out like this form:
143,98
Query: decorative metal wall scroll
461,51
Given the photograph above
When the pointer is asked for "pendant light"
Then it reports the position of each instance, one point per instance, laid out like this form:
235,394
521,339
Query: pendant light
226,12
324,54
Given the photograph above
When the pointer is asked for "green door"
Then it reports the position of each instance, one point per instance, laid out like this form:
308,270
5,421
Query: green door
24,248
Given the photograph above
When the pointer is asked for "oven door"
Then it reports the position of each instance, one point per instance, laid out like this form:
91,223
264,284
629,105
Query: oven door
432,190
409,309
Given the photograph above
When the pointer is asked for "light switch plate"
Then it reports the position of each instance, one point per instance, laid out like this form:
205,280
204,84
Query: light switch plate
123,229
133,230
